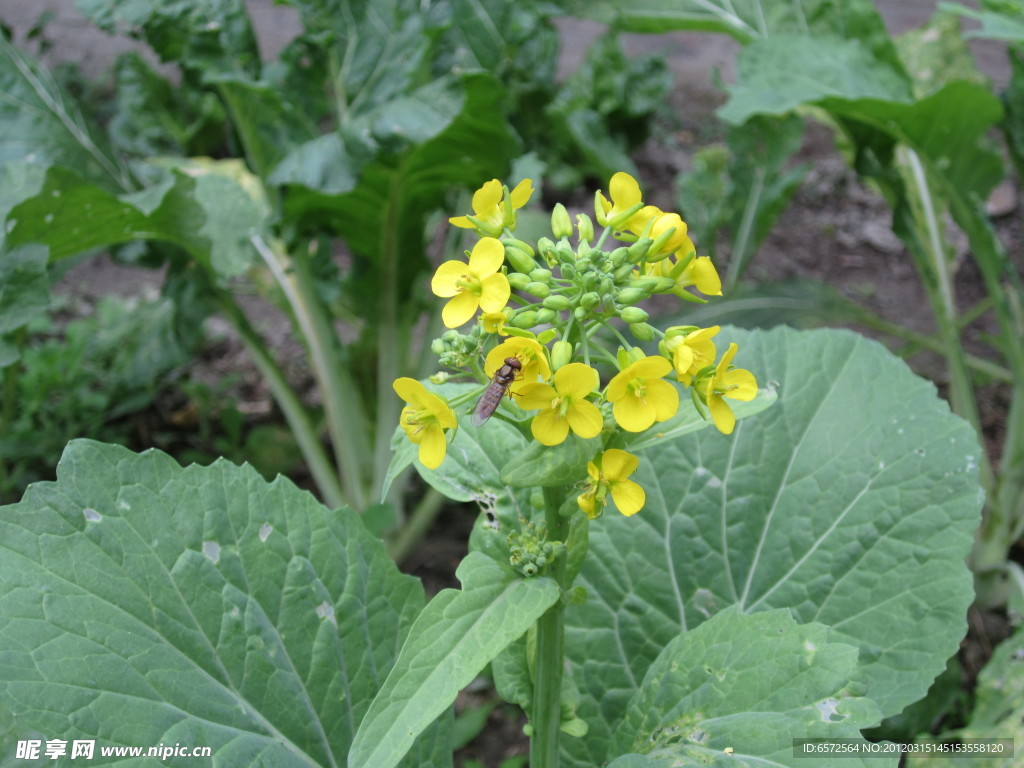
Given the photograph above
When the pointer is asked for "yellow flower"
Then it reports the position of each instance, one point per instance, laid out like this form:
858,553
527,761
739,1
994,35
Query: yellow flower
700,272
494,322
639,395
531,354
609,473
489,214
472,285
692,352
736,383
424,420
679,241
626,196
564,404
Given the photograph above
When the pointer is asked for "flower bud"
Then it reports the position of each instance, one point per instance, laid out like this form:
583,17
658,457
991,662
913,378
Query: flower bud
590,300
522,245
642,331
564,252
545,315
540,275
580,313
633,315
638,250
546,246
630,295
437,346
569,272
519,259
623,272
561,353
557,302
538,289
526,318
619,256
518,281
561,224
585,227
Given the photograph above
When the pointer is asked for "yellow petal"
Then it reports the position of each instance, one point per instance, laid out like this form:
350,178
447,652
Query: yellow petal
629,497
624,191
576,380
651,367
461,221
410,390
494,293
633,414
520,196
487,257
617,386
705,276
722,414
460,309
664,398
617,464
743,383
432,447
549,428
443,283
585,419
534,396
487,197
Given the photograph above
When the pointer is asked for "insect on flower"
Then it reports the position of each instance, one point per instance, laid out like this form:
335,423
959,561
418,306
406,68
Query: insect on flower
496,390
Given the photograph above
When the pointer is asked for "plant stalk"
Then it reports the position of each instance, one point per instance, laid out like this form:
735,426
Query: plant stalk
550,651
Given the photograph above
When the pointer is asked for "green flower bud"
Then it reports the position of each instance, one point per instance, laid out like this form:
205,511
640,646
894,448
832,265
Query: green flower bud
540,290
580,313
569,272
561,353
518,280
646,283
526,318
606,286
585,227
545,315
546,247
522,245
590,300
561,224
565,253
437,346
540,275
519,259
631,295
557,302
638,250
623,272
642,331
619,256
633,315
591,280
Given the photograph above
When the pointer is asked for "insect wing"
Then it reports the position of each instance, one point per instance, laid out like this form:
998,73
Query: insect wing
488,402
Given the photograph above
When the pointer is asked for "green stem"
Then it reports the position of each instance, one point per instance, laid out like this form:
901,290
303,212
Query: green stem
295,414
342,400
550,651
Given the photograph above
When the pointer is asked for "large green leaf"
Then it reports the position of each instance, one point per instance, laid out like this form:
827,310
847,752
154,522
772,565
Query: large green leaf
24,287
209,208
146,603
752,683
852,501
453,639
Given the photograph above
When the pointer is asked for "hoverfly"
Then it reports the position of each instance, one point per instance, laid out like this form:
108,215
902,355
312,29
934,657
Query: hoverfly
496,390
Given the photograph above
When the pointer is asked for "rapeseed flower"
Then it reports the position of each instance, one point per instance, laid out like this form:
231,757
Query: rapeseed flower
609,474
424,420
473,285
640,397
564,405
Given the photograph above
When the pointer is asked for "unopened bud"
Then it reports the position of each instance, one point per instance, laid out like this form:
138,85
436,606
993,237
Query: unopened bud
561,224
522,245
631,295
518,280
520,260
638,250
585,227
642,331
590,300
557,302
634,315
538,289
545,315
561,353
546,247
525,319
619,256
540,275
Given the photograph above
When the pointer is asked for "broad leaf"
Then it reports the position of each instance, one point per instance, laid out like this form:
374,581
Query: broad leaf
146,603
453,639
24,287
752,684
208,208
851,501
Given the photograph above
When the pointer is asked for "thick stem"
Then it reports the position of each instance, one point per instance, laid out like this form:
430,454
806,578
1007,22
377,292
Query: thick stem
550,651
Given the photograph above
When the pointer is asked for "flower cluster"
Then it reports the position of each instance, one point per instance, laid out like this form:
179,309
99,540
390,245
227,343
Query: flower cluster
559,310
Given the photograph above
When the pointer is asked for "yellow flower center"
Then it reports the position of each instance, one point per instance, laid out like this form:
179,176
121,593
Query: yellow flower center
468,282
639,389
